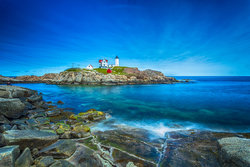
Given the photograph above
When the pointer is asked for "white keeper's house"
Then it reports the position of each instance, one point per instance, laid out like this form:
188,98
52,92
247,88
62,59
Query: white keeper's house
103,63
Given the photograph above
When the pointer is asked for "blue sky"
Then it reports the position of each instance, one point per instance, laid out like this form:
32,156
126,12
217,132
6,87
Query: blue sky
177,37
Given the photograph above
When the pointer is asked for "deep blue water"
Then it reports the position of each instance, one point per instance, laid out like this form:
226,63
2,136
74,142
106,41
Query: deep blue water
218,103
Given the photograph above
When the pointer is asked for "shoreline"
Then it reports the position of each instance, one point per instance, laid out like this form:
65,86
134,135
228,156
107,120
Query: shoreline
70,135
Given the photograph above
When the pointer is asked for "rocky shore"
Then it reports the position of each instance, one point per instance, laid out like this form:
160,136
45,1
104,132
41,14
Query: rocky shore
42,134
93,77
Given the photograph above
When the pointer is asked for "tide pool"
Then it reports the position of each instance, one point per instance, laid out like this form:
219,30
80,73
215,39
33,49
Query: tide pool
214,103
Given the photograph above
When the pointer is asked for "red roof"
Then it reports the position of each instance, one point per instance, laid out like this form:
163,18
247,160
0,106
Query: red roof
100,61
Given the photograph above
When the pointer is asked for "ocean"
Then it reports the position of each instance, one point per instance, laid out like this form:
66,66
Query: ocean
209,103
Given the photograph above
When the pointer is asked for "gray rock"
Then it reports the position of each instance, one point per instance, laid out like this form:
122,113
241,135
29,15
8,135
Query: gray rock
11,108
132,140
25,159
84,157
34,98
15,91
53,113
20,123
8,155
32,124
29,138
57,163
4,120
4,127
66,163
235,151
42,120
60,150
4,94
2,143
14,127
44,161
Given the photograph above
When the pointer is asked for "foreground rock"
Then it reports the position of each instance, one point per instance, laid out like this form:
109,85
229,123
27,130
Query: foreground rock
235,151
196,148
60,150
8,155
29,138
11,108
25,159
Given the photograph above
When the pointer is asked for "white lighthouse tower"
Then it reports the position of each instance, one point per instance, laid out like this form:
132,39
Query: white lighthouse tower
116,61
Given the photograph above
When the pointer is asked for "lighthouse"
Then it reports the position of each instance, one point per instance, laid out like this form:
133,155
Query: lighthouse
116,61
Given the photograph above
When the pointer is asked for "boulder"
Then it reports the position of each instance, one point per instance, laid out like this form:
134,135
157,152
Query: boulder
11,108
60,150
8,155
15,91
235,151
29,138
34,98
84,157
44,161
25,159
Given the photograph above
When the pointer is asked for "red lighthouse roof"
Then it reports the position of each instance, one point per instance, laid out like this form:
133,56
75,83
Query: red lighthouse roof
100,61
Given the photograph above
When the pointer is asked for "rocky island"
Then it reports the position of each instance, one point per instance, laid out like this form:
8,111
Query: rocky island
41,134
119,76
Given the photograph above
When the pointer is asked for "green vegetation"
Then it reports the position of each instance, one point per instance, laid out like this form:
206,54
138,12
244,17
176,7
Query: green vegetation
115,70
76,70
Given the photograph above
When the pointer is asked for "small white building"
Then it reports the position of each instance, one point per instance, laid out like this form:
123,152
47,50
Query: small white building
90,67
103,63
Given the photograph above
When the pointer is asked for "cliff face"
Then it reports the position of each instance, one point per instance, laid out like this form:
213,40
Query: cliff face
96,78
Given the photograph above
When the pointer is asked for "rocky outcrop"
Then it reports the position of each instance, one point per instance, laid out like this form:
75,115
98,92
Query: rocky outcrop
11,108
93,77
29,138
61,149
30,124
5,80
96,78
33,78
235,151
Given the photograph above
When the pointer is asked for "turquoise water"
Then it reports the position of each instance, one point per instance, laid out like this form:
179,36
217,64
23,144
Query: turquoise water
217,103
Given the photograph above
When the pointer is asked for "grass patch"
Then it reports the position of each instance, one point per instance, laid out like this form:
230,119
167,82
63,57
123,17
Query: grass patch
115,70
74,70
77,70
